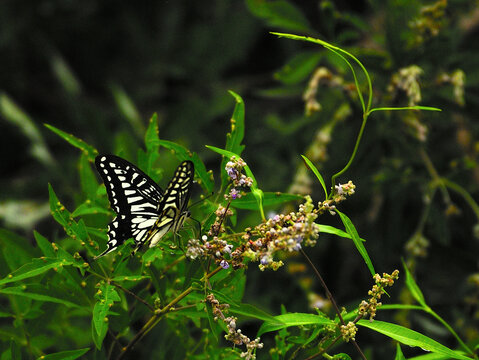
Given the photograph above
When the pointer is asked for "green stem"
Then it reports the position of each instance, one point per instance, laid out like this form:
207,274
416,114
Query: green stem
461,191
353,155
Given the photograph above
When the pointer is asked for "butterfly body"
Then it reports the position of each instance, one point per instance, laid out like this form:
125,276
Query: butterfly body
144,211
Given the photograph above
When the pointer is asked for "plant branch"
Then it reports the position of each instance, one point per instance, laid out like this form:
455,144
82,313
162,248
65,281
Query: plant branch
155,319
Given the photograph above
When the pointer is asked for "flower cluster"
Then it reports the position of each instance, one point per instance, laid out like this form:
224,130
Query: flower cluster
234,335
407,80
233,169
430,21
217,248
280,233
458,80
341,191
348,331
217,227
376,292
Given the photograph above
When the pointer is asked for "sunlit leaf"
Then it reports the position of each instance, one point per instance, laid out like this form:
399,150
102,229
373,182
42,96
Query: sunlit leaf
411,338
89,151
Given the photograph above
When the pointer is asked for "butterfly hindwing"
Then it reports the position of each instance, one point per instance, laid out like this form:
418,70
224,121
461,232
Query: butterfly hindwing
133,195
172,208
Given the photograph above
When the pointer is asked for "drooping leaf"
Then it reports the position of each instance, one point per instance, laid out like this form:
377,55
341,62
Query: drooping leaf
413,287
89,151
357,241
313,168
40,296
293,319
335,231
411,338
34,268
299,67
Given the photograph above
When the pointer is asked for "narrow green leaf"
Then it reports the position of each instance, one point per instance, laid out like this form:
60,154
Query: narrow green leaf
235,136
313,168
16,249
413,288
65,355
299,67
36,267
130,278
431,356
293,319
15,115
87,149
44,245
105,296
399,354
88,181
351,230
280,14
64,217
410,338
417,107
248,201
128,109
334,231
152,140
88,208
21,291
205,178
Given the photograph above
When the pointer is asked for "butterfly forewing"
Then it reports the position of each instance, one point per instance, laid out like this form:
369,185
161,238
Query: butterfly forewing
133,195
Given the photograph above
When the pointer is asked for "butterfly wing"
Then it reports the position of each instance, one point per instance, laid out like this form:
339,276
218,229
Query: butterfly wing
133,195
174,203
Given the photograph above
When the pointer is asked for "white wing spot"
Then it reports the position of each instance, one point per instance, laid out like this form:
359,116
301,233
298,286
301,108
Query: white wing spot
121,178
147,224
133,199
130,192
135,175
103,158
125,185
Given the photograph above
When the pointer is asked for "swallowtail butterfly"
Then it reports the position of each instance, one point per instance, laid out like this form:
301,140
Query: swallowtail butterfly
144,211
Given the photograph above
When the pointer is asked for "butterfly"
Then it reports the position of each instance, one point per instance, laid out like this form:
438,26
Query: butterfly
144,212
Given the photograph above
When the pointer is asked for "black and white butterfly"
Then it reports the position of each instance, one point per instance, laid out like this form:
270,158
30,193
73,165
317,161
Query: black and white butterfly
144,212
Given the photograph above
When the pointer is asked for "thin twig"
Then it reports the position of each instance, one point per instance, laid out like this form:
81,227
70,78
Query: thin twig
333,301
152,309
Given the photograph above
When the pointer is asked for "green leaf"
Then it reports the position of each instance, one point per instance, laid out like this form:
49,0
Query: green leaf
280,14
293,319
88,181
351,230
235,137
105,296
21,291
130,278
73,229
205,178
88,208
36,267
15,115
89,151
413,288
44,245
410,338
128,109
248,201
313,168
298,68
399,354
16,249
65,355
334,231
